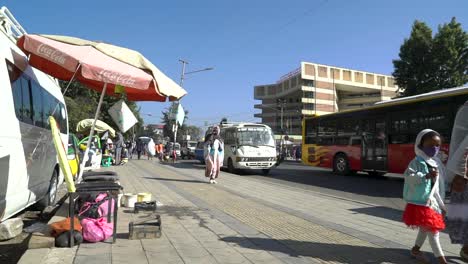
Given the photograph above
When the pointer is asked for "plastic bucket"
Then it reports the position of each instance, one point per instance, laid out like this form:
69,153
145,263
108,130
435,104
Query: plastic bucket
130,200
144,197
120,200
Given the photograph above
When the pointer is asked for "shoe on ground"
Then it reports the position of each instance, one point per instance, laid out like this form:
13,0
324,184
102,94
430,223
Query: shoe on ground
211,181
463,255
215,182
420,257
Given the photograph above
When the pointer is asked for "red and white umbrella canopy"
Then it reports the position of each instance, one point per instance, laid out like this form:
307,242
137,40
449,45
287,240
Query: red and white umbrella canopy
95,64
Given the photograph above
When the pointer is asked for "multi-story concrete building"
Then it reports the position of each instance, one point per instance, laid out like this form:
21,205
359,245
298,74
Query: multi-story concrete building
316,89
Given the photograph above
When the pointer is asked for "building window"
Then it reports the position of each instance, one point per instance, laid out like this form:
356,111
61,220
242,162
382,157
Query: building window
346,75
381,80
322,72
391,82
308,83
335,73
309,69
358,77
293,82
309,106
286,85
369,78
308,94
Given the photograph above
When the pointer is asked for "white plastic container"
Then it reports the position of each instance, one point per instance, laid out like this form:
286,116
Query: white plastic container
144,197
120,200
130,199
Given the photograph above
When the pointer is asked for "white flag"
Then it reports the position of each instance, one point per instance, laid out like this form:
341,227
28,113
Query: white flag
122,116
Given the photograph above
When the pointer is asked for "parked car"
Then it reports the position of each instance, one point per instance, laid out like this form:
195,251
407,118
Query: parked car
188,149
200,152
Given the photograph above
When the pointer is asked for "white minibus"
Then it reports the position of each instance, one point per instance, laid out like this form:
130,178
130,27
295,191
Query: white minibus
29,171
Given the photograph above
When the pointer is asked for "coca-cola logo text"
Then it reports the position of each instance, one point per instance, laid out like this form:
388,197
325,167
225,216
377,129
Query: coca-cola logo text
117,78
52,54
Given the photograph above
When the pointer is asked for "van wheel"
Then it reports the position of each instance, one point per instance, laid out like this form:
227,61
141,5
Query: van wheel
341,165
49,198
231,168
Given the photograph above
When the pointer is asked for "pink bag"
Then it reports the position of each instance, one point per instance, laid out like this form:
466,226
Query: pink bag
98,208
96,230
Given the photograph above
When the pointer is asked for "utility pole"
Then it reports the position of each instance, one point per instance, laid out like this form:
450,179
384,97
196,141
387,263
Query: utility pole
281,104
182,76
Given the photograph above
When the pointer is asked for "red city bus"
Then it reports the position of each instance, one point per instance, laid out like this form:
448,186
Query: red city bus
380,138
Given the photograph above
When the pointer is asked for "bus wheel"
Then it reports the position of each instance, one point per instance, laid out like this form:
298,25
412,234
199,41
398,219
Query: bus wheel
265,171
231,168
51,195
341,165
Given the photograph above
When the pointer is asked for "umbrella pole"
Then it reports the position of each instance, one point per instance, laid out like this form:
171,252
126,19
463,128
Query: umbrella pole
91,133
72,78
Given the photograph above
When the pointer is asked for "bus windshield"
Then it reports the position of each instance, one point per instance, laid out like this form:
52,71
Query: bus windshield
256,136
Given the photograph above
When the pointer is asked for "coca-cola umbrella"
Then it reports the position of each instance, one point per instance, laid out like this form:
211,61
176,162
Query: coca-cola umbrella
103,67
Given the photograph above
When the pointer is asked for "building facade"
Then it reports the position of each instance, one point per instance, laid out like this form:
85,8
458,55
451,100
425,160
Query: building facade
316,89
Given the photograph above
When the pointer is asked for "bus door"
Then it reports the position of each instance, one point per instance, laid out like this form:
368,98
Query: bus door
374,146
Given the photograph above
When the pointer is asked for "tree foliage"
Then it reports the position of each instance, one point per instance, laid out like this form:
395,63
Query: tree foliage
430,63
82,104
193,131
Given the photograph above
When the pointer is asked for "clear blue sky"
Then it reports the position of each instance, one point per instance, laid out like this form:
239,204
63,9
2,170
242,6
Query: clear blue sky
248,42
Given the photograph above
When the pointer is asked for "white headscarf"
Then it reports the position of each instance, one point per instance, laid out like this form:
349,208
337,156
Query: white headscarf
419,152
434,162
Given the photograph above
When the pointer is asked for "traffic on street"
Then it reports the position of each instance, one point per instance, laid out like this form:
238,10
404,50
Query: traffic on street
234,132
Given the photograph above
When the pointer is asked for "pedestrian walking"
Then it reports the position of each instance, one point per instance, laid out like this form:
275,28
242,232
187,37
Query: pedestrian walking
457,174
424,191
118,148
139,147
215,155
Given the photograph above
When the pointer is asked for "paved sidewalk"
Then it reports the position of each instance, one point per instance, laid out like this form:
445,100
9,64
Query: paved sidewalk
244,220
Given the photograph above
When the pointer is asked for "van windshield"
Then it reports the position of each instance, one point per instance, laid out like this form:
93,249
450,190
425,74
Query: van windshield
256,136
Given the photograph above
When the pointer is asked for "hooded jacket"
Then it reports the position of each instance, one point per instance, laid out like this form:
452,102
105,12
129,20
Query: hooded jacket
417,189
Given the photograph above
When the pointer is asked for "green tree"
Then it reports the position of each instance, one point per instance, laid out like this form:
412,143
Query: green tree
169,123
194,132
429,63
450,52
82,103
413,71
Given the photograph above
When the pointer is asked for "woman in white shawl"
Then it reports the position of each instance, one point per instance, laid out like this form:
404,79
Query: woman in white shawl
457,210
214,155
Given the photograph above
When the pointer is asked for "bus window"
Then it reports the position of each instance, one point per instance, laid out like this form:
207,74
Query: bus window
311,131
326,132
26,105
38,112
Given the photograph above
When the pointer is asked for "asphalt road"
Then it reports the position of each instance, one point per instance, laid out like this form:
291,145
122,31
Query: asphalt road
381,191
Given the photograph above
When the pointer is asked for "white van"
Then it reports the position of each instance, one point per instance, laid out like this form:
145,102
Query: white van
29,171
248,146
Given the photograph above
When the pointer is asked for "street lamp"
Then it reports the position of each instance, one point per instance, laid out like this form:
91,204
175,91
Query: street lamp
182,78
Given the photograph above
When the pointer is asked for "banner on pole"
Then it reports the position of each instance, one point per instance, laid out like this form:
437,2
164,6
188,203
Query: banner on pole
180,114
122,116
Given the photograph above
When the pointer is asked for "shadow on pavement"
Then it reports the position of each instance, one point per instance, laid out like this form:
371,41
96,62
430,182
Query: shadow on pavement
185,164
380,211
361,183
383,212
176,180
324,251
